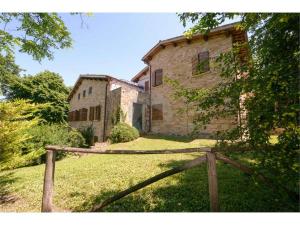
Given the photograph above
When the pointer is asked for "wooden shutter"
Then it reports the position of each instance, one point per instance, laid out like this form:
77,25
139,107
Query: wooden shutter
91,115
153,79
80,114
70,116
194,65
77,115
84,114
158,77
203,62
98,112
157,112
147,86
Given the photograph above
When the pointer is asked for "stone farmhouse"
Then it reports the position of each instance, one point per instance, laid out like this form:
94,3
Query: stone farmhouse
147,101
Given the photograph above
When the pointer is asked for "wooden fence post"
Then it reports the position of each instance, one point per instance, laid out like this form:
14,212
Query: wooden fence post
212,181
48,181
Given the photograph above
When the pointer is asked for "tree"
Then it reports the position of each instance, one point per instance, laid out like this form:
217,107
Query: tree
16,118
270,87
36,34
45,87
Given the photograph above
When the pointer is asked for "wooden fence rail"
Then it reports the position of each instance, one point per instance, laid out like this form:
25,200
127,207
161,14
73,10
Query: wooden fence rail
210,157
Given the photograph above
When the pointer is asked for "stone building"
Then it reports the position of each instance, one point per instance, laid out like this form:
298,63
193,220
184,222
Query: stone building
147,100
96,100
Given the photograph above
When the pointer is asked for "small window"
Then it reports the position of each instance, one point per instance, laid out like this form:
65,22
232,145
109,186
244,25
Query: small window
78,96
201,63
84,92
98,113
147,86
95,139
91,115
157,77
90,90
157,112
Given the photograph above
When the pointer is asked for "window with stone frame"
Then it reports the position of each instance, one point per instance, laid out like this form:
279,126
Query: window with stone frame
78,96
84,93
157,77
98,113
157,112
200,63
92,113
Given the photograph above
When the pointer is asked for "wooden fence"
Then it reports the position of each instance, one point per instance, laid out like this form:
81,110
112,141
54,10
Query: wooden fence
210,156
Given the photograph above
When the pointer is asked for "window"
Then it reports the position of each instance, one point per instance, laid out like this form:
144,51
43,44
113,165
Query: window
98,113
157,77
90,90
78,96
157,112
84,92
91,116
83,114
200,63
147,86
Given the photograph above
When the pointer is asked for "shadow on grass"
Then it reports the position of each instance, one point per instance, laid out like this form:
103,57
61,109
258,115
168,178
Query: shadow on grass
188,192
184,139
6,180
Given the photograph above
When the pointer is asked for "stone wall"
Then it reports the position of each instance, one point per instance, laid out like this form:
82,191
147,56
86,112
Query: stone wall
176,62
113,103
96,98
129,95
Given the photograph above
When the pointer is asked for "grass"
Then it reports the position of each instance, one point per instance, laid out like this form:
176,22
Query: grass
81,182
154,142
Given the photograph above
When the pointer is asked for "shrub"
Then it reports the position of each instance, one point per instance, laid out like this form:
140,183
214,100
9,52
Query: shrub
88,134
33,150
122,132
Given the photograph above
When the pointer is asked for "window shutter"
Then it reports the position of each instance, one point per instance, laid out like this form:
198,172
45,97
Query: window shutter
157,112
147,86
194,65
91,115
98,112
70,116
203,59
84,114
158,77
153,79
77,115
80,114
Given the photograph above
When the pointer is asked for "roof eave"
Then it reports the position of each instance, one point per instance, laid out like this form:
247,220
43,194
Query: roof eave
182,38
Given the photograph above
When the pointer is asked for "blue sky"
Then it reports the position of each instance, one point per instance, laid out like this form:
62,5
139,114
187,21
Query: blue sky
113,43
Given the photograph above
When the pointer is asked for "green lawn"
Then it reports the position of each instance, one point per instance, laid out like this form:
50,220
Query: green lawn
80,182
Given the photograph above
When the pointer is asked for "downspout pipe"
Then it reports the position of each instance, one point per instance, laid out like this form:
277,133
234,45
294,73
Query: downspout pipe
105,109
150,102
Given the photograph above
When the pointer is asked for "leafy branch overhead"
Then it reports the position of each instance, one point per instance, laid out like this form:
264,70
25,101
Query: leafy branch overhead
36,34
